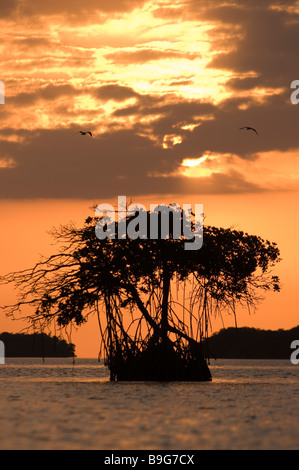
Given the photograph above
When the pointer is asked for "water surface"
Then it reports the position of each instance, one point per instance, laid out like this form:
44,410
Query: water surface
250,404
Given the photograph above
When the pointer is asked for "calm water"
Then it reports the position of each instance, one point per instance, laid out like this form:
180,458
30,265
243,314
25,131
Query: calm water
61,405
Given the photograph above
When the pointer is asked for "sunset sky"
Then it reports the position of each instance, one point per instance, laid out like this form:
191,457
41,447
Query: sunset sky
164,87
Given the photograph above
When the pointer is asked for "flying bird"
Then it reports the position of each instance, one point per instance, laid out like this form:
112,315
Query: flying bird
249,129
84,133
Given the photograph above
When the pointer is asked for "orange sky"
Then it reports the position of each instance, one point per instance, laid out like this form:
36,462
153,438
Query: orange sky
164,87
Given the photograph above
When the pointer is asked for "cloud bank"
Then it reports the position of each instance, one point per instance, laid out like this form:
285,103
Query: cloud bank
157,85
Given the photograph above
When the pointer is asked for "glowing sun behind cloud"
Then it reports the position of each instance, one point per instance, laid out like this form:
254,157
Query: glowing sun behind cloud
271,170
195,167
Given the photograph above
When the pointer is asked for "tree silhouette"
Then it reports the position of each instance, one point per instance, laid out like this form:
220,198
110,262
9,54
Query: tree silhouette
155,301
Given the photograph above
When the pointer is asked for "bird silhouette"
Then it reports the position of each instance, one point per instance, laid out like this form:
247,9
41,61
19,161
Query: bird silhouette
84,133
249,129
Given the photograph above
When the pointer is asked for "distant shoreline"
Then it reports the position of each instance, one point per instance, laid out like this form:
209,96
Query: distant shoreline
251,343
228,343
35,345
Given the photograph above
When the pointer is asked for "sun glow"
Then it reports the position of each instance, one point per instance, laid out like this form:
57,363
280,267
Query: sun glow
191,162
197,167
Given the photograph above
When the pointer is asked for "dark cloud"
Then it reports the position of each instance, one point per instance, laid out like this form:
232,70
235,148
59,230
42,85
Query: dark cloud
114,92
48,93
58,164
181,82
267,43
275,118
276,121
171,112
148,55
48,64
29,43
8,7
29,8
128,111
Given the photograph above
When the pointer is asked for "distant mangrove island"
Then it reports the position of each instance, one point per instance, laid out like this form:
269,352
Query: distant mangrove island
36,345
228,343
252,343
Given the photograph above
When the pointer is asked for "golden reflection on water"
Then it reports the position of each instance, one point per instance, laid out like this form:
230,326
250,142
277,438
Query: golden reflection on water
248,405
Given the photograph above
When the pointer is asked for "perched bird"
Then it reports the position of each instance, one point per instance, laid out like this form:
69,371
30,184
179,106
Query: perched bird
84,133
249,129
